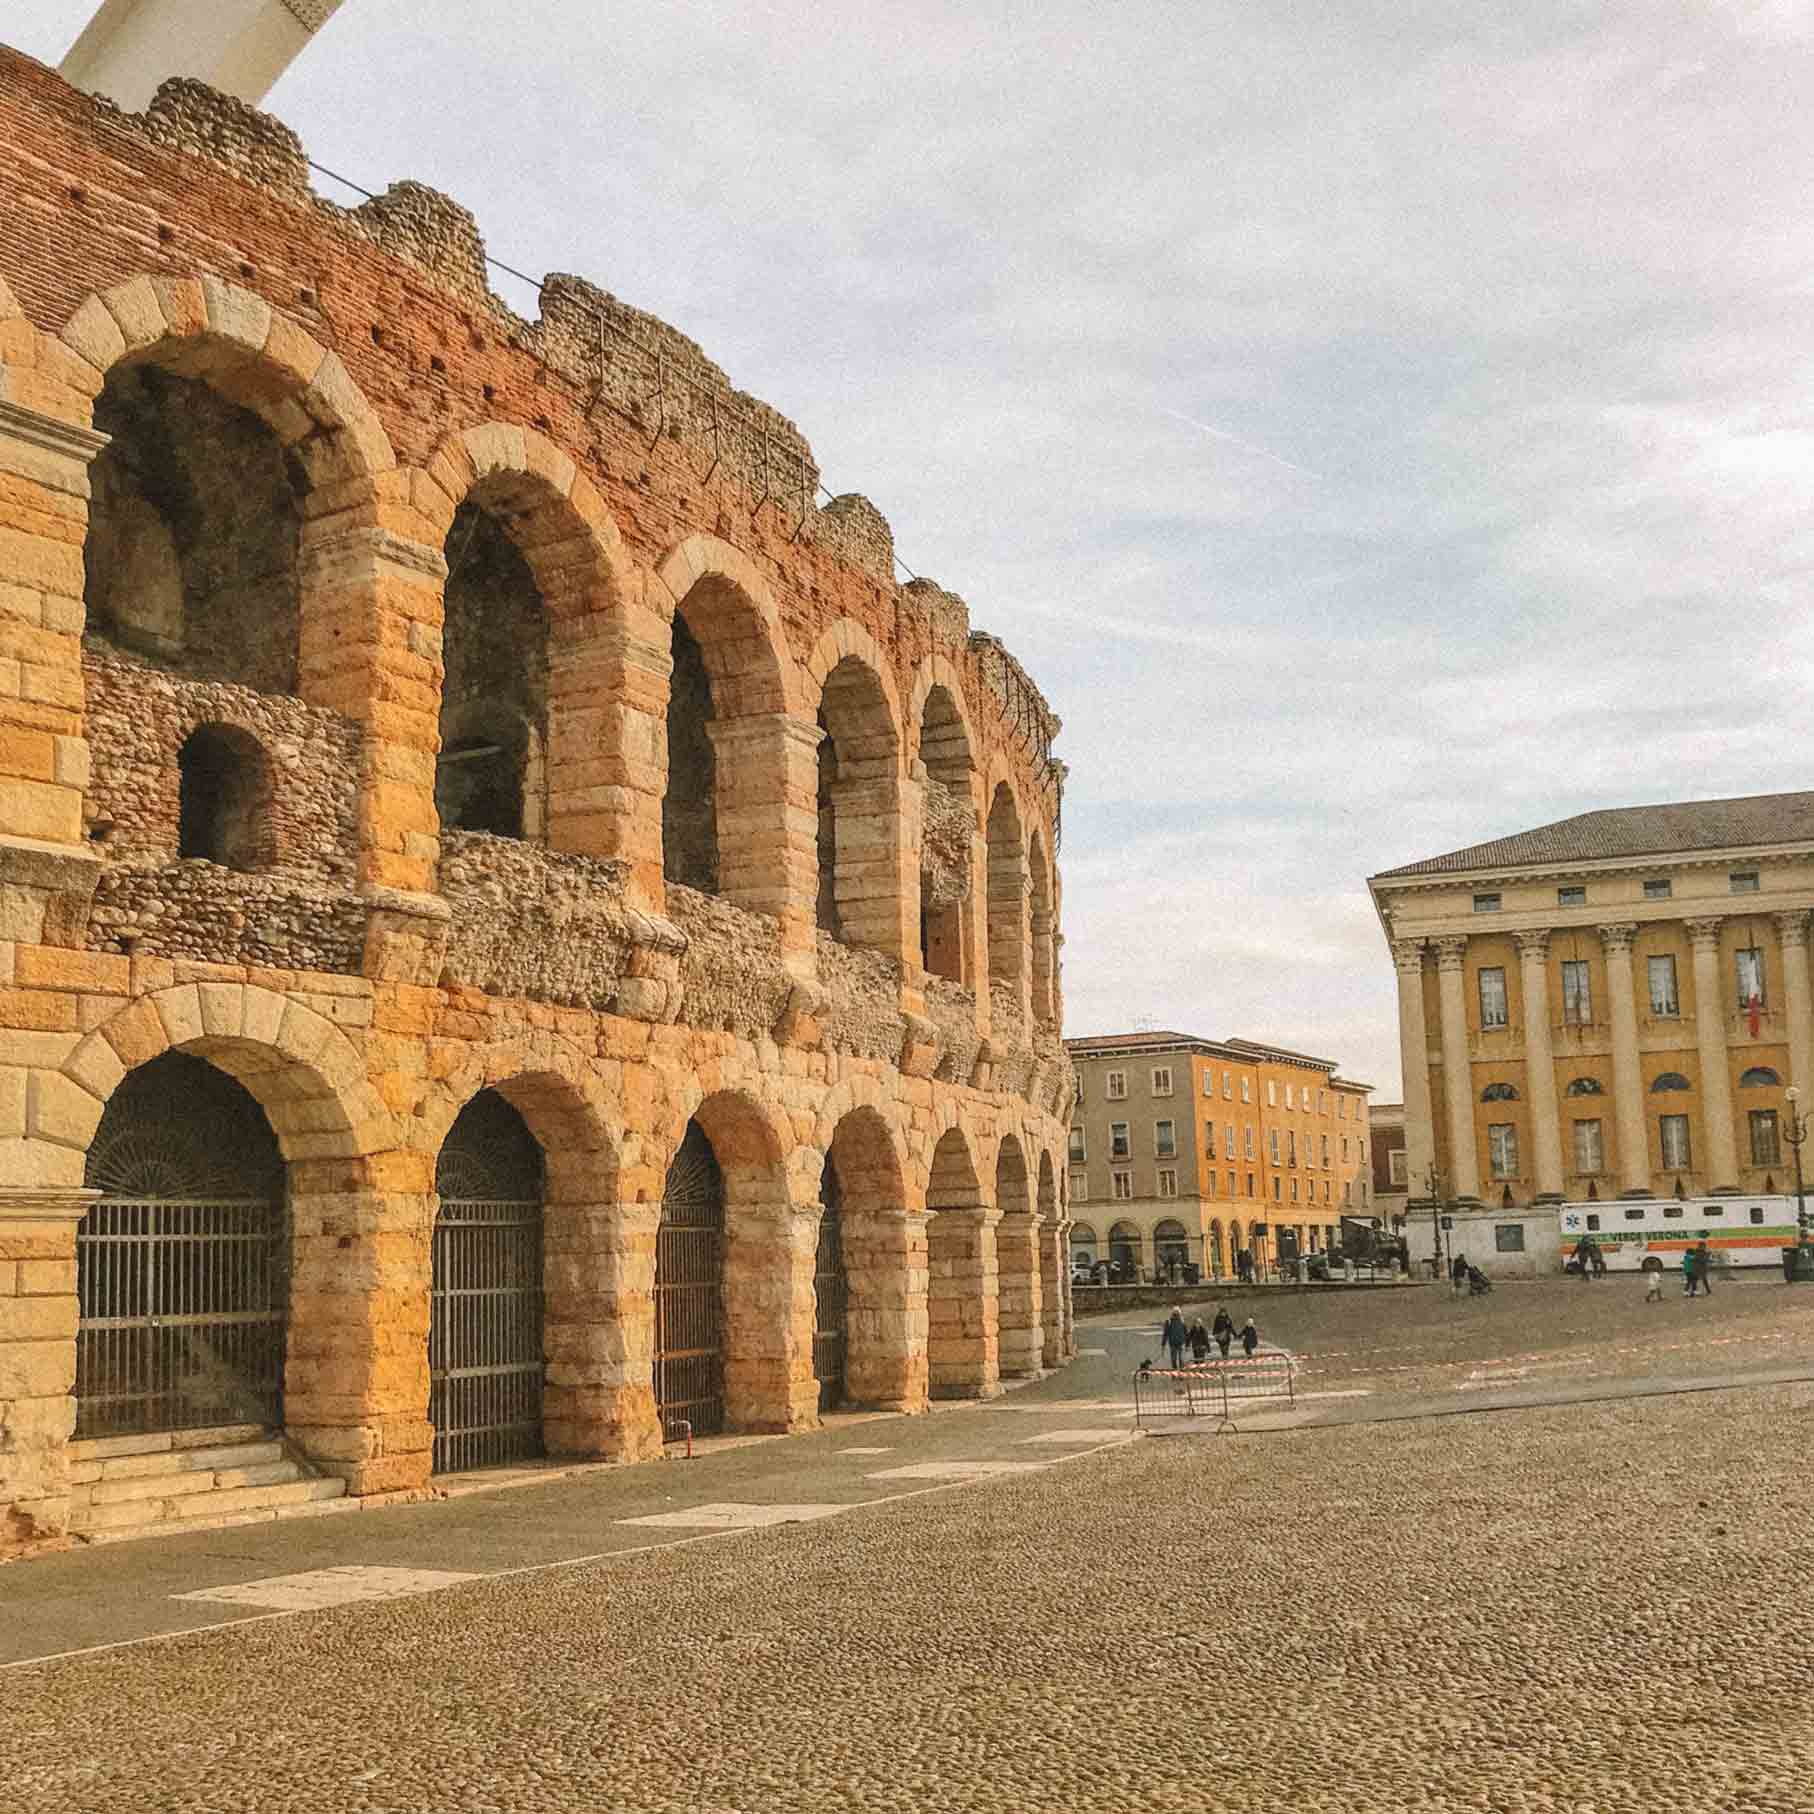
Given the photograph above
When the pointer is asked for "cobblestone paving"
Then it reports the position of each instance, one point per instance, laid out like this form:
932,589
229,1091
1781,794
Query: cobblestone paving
1600,1609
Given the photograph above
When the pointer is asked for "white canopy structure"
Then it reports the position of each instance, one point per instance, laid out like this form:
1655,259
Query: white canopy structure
238,46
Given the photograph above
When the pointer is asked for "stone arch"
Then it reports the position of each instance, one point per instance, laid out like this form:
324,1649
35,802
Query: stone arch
885,1262
1007,908
537,688
343,1397
740,774
224,798
860,850
963,1309
943,750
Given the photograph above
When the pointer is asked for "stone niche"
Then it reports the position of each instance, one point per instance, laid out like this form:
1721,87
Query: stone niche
731,973
945,845
860,1012
536,924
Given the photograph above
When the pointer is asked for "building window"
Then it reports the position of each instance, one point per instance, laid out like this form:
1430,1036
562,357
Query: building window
1325,1190
1759,1077
1247,1089
1228,1140
1272,1139
1750,977
1675,1143
1247,1143
1571,897
1080,1187
1079,1150
1344,1149
1209,1140
1499,1092
1250,1184
1114,1085
1121,1186
1577,992
1168,1181
1502,1149
1326,1151
1589,1151
1294,1190
1231,1185
1162,1080
1290,1097
1668,1081
1486,903
1585,1086
1165,1139
1272,1093
1743,881
1665,1004
1658,890
1765,1149
1210,1179
1395,1167
1120,1147
1291,1146
1227,1086
1278,1189
1508,1237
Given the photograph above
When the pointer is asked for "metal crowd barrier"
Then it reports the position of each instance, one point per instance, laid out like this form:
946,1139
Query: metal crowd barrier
1166,1398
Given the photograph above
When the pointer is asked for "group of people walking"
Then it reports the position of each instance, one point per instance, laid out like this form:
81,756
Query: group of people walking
1697,1269
1198,1338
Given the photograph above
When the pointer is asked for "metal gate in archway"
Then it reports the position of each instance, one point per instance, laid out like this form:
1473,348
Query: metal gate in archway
689,1290
831,1295
182,1266
485,1361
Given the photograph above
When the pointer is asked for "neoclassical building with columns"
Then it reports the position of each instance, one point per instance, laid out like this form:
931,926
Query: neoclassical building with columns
1614,1005
519,936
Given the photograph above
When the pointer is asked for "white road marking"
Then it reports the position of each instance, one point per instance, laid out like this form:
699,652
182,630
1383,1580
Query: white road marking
1069,1436
958,1470
732,1516
1092,1353
331,1587
857,1451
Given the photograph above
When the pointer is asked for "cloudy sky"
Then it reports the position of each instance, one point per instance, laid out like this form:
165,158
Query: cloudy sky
1378,424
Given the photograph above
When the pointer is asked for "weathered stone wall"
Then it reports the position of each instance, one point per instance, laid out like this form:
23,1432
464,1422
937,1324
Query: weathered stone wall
862,1001
731,973
945,845
952,1010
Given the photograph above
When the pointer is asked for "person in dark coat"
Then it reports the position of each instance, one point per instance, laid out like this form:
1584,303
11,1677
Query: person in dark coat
1250,1338
1175,1335
1703,1268
1458,1275
1199,1340
1223,1329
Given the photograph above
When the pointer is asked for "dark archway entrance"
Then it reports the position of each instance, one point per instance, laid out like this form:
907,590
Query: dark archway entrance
831,1295
485,1354
182,1266
689,1290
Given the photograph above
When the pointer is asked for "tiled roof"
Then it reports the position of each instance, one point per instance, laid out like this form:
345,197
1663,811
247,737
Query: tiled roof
1636,831
1254,1049
1116,1042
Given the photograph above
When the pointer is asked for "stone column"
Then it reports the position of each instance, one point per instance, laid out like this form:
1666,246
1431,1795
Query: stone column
885,1263
1414,1059
770,1259
1054,1270
38,1314
767,769
1627,1076
1792,935
963,1304
1017,1257
1720,1162
870,867
1457,1072
1539,1064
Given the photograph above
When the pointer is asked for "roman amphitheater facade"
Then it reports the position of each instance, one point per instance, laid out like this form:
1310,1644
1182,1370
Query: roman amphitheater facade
519,934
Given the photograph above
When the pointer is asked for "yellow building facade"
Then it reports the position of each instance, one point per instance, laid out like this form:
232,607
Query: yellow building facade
1612,1006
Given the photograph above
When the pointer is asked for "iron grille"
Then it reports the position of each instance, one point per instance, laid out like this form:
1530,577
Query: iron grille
831,1297
689,1271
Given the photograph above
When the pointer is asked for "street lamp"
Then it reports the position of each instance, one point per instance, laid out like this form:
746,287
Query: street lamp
1433,1189
1795,1133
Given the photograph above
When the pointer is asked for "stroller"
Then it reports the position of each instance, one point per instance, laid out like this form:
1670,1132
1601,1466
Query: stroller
1478,1283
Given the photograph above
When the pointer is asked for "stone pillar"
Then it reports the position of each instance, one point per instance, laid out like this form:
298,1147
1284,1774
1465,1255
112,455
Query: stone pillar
1627,1076
770,1256
38,1314
1457,1071
1021,1345
1540,1065
885,1262
768,820
356,1368
1055,1273
1720,1162
963,1333
870,865
599,1330
1414,1059
1792,935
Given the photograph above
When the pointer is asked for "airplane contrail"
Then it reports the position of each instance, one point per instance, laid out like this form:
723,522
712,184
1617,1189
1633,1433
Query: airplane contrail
1222,434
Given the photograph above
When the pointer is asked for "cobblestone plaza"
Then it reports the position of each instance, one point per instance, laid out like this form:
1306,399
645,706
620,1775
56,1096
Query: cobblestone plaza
1401,1602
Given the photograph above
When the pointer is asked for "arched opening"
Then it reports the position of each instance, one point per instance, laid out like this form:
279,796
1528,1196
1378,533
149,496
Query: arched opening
947,839
1044,930
1218,1250
194,528
962,1314
1499,1092
1125,1247
1007,911
689,1290
1171,1252
1236,1247
224,799
689,807
1759,1077
182,1263
491,775
485,1335
1669,1083
858,901
831,1293
884,1359
1083,1247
